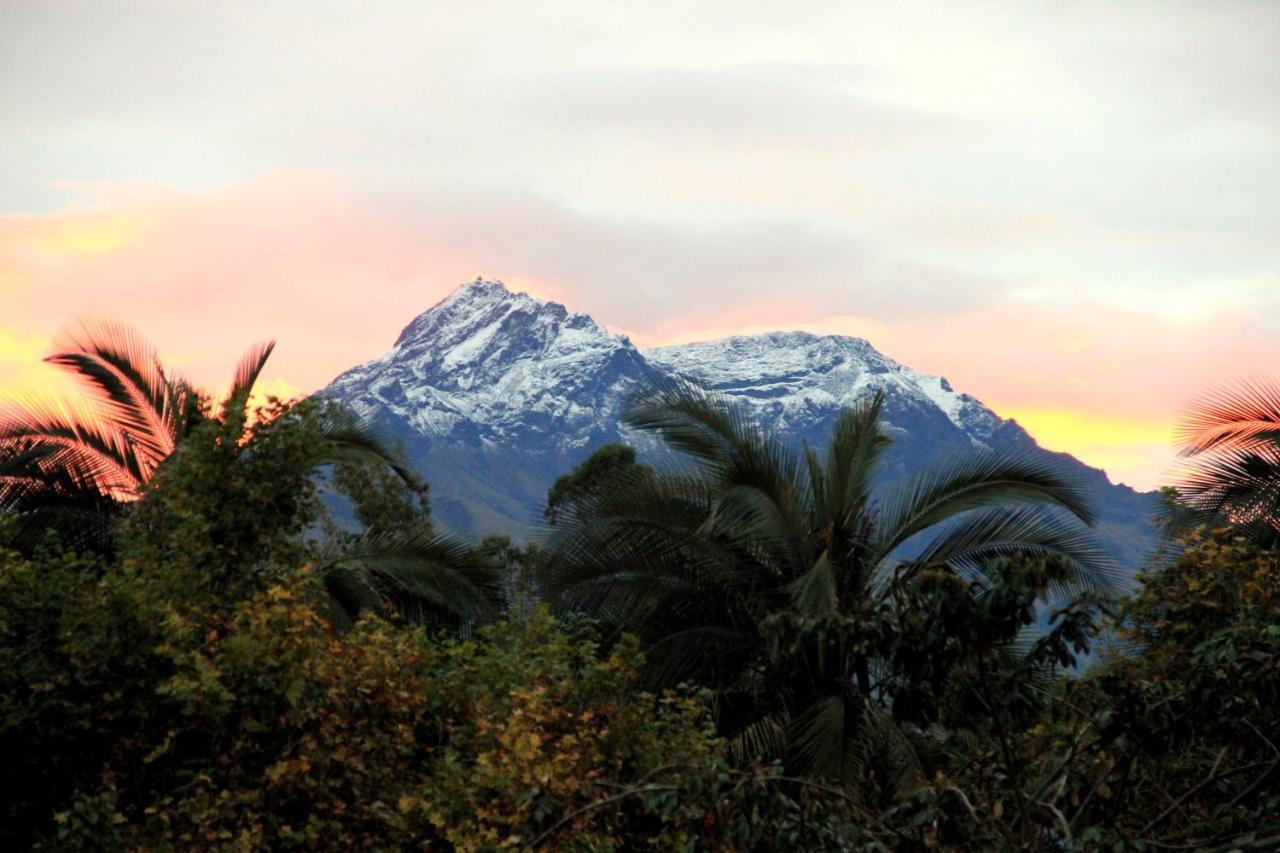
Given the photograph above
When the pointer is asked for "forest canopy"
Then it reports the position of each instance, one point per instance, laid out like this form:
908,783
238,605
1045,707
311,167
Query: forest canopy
759,649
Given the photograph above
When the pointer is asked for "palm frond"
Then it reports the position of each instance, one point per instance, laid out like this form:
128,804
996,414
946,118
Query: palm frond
347,439
814,592
1237,416
885,754
1240,486
1030,531
627,599
424,576
76,440
757,524
982,479
1231,441
124,370
642,525
818,735
693,420
763,740
857,442
708,654
86,526
250,367
720,437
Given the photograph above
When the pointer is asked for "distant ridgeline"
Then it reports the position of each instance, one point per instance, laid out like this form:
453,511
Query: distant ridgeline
494,394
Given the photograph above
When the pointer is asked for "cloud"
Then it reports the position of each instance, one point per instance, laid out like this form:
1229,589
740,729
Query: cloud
335,273
773,105
1062,210
23,373
299,256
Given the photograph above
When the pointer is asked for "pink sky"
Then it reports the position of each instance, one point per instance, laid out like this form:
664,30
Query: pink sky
1068,210
334,277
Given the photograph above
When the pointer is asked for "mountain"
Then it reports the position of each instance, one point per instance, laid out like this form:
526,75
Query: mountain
494,394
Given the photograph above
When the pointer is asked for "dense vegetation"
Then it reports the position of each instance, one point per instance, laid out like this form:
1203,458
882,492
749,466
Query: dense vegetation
754,650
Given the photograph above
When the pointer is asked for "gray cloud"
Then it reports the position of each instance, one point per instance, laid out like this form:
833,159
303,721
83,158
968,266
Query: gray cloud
790,105
887,159
649,273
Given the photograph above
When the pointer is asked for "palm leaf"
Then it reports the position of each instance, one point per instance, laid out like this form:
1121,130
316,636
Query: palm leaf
814,592
424,576
1031,531
250,368
762,740
703,653
1240,486
347,439
983,479
857,443
1236,416
76,440
719,437
817,738
125,371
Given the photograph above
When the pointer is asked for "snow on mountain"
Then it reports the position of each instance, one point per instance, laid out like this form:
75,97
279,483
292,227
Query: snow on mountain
794,380
490,366
494,394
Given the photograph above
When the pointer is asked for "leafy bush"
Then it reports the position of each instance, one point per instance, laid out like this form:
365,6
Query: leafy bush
264,729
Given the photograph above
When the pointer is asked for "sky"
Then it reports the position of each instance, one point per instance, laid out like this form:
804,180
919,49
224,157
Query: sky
1070,210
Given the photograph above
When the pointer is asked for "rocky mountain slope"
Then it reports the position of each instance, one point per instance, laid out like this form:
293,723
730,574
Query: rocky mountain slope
494,394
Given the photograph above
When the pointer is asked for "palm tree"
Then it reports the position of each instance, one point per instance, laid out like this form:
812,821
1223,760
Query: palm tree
72,465
1231,441
428,578
699,560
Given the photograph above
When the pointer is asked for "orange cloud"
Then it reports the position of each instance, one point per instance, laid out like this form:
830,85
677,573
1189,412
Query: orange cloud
22,369
206,274
334,277
1102,383
1130,449
88,235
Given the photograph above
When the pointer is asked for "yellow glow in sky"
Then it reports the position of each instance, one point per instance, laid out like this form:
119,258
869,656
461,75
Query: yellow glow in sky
23,372
89,235
1129,450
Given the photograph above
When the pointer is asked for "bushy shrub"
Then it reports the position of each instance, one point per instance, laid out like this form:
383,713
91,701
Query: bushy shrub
256,726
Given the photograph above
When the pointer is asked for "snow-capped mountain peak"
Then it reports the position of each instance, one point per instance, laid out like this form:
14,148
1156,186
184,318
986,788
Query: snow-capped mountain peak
487,364
794,377
494,394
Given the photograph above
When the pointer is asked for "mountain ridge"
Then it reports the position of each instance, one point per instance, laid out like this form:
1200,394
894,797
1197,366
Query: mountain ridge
495,393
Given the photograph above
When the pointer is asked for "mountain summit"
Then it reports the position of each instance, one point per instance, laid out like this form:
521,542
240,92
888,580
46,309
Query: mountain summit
796,381
494,394
488,367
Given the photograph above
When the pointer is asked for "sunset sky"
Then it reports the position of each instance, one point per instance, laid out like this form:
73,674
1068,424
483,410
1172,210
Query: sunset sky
1071,210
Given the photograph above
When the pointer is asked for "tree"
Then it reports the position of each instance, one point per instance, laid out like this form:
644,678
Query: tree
1170,743
238,485
71,464
1232,445
605,465
383,500
779,578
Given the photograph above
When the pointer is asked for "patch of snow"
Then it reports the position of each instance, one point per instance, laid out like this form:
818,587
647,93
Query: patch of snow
509,366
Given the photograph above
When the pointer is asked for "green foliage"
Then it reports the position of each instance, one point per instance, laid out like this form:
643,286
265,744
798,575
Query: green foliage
259,727
708,567
231,504
759,652
606,465
75,652
382,500
1231,440
1190,720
